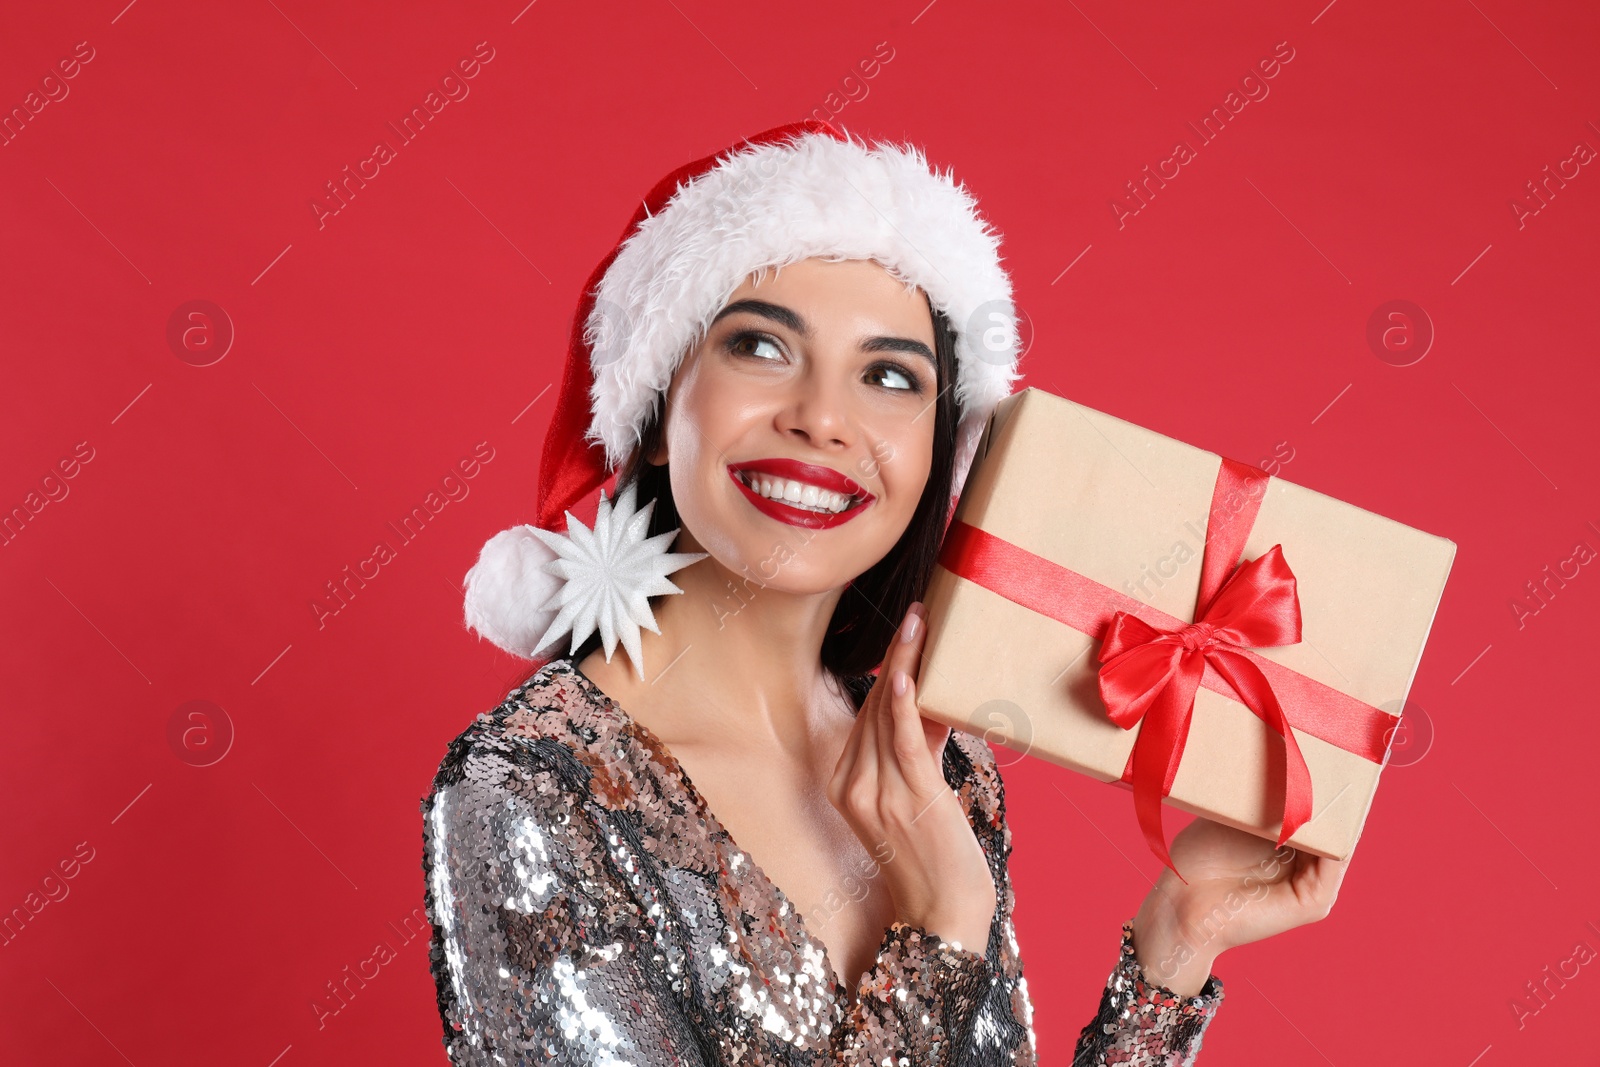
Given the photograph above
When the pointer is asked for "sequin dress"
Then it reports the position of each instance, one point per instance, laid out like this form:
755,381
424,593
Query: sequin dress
588,909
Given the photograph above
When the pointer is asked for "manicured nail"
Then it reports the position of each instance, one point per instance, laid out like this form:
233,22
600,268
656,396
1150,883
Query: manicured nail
908,629
901,682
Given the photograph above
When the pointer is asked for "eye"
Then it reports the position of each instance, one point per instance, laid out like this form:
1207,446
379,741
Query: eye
747,342
895,371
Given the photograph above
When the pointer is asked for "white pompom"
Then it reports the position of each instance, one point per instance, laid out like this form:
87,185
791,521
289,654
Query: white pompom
507,590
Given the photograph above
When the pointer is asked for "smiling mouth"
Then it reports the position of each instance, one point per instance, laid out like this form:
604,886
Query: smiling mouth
798,494
797,502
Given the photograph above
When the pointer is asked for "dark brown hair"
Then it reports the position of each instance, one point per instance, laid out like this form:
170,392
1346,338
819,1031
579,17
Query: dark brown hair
872,606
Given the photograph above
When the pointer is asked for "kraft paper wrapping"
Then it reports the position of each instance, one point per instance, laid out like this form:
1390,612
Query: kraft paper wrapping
1127,507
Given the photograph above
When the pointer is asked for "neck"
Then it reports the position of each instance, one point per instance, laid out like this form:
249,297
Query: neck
736,662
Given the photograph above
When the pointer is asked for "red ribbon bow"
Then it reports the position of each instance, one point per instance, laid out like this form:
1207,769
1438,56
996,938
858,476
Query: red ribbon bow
1151,675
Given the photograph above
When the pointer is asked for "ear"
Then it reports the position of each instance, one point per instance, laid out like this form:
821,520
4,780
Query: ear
659,456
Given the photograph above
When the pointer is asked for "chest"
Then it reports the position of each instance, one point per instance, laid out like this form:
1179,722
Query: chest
781,818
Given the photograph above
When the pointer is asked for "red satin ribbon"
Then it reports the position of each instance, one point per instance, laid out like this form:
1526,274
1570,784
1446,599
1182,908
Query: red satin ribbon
1152,663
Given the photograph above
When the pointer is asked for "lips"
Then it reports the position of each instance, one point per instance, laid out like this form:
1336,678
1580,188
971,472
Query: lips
810,473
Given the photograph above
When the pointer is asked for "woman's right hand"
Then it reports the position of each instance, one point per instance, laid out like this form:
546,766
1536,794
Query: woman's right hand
889,785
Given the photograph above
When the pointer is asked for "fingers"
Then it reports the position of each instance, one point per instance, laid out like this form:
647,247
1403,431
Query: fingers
883,728
894,666
907,746
889,745
1330,875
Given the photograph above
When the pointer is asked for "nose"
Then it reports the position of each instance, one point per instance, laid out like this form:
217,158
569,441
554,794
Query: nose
817,412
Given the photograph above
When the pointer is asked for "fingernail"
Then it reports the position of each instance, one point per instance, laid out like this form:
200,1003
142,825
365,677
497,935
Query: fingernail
900,683
908,629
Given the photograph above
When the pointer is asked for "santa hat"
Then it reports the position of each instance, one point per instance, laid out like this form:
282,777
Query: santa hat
794,192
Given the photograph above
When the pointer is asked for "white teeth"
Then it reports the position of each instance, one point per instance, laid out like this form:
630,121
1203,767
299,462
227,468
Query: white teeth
797,494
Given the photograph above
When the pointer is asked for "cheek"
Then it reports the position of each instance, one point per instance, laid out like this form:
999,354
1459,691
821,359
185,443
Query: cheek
708,396
904,457
707,418
703,429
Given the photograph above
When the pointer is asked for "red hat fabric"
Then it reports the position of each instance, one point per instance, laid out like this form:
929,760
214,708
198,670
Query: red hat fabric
570,468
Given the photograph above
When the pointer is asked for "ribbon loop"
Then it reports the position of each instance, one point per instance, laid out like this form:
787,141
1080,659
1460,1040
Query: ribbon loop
1259,605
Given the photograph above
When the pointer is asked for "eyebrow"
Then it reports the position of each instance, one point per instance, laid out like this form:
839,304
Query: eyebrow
791,320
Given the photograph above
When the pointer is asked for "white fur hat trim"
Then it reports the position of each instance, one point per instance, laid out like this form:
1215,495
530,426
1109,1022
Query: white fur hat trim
774,204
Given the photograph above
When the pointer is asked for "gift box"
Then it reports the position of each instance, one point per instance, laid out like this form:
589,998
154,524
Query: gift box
1205,634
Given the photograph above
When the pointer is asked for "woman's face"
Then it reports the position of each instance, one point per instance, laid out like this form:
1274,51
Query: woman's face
826,364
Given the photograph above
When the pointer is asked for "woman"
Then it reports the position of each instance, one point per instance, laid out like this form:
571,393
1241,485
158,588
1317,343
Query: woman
774,362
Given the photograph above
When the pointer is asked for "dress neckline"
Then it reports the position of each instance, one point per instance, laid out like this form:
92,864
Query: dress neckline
798,931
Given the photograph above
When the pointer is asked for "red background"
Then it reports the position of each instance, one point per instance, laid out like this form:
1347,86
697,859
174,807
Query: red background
376,351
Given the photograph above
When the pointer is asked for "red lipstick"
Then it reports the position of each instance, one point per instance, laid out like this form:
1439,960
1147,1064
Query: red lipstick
811,474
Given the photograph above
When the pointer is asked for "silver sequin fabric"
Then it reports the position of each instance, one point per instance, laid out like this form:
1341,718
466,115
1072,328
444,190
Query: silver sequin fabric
589,910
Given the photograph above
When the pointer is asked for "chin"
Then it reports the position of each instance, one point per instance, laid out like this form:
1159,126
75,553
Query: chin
787,560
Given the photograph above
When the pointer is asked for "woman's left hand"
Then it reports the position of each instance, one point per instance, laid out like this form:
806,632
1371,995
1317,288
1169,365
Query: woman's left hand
1242,888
